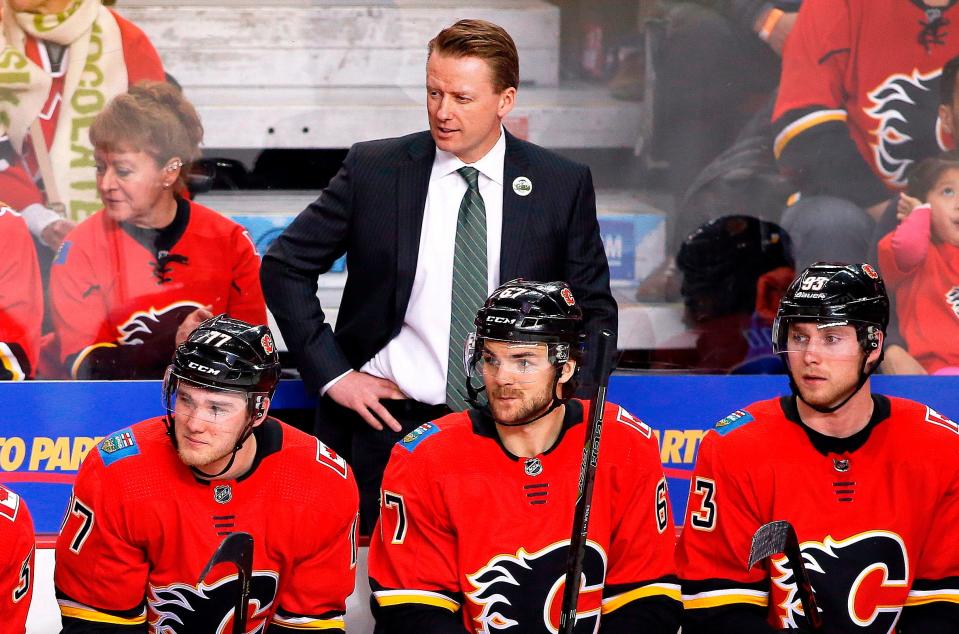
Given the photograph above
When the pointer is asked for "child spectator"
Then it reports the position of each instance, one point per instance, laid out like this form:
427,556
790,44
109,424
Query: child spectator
920,263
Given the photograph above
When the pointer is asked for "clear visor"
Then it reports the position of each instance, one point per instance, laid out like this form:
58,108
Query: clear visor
511,361
213,405
829,340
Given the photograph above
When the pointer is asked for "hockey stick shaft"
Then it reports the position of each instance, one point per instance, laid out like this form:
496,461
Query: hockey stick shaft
236,549
780,537
803,586
587,477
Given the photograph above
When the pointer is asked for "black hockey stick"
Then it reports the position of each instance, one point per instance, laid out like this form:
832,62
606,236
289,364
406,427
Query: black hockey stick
236,549
587,476
780,537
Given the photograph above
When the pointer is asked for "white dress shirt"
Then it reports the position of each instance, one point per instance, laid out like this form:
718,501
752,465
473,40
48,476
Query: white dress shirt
417,358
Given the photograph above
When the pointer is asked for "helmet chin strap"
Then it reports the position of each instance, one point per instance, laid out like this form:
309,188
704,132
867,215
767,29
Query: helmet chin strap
170,422
247,432
244,436
863,377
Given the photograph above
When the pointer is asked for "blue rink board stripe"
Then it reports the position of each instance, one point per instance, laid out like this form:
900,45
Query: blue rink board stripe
44,425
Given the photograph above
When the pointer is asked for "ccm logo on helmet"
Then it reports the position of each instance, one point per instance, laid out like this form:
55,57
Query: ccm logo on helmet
202,368
499,320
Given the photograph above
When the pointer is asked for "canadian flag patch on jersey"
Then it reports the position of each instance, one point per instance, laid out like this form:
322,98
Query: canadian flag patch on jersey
934,417
9,504
628,419
329,458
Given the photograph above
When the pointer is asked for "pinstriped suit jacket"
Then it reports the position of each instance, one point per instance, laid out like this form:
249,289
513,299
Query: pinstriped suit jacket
372,210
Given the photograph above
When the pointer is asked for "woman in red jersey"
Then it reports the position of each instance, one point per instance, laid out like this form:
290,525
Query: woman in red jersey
134,278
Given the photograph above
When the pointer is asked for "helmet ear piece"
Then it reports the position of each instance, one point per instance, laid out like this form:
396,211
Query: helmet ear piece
261,404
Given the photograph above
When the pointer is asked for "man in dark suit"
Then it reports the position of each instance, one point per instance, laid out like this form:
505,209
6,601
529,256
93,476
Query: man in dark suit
430,224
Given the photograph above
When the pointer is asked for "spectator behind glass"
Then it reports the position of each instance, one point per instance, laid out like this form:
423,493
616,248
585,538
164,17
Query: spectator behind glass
857,107
717,69
732,267
70,58
920,262
140,274
21,299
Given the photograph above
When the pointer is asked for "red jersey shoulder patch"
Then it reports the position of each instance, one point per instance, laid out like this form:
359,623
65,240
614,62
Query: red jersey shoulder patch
331,460
631,421
934,417
9,504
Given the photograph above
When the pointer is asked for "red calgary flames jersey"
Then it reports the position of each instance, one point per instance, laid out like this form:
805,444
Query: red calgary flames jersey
877,516
140,528
16,561
21,298
117,303
465,526
873,68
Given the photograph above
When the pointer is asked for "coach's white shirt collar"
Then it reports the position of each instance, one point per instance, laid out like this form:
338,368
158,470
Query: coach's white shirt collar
490,166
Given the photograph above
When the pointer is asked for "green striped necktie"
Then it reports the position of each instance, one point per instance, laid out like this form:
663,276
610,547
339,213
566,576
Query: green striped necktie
469,283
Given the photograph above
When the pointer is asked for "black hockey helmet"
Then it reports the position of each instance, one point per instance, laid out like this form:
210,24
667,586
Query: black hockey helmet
225,354
229,354
835,293
527,311
722,260
520,310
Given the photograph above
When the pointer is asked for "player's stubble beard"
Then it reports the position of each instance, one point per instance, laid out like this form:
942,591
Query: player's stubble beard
530,403
837,389
207,455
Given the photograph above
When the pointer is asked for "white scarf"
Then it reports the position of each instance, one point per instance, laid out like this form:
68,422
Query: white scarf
95,73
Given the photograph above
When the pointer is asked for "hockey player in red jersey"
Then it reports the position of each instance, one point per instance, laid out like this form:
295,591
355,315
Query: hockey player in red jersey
16,561
869,482
153,502
477,506
21,298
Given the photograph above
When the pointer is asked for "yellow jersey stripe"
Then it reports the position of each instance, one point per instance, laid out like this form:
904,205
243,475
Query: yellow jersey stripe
932,596
720,598
802,124
9,361
670,590
306,623
84,613
386,598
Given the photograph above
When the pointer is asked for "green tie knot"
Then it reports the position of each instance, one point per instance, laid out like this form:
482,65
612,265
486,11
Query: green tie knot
471,174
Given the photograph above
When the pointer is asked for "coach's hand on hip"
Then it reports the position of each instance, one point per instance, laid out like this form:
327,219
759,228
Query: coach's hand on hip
361,392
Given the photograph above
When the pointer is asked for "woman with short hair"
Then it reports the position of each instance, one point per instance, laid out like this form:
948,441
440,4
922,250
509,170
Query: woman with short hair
151,262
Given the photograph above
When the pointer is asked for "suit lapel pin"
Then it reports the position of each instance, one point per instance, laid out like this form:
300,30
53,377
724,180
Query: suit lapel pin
522,186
